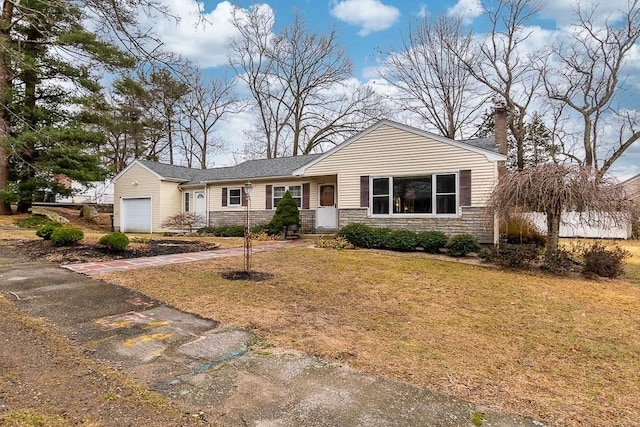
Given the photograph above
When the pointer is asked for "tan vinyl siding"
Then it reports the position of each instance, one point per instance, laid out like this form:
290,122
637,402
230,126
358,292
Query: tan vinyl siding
169,204
258,194
166,198
388,151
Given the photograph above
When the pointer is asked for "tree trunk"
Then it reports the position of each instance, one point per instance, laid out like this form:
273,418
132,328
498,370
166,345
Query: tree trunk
553,231
5,98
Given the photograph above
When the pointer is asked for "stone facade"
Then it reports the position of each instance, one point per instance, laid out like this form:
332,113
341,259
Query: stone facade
226,218
473,221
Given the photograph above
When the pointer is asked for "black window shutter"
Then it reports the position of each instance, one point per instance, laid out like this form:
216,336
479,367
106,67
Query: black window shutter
269,201
305,195
364,191
465,187
224,196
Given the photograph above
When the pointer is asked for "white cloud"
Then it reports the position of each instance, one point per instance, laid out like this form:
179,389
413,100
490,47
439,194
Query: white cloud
468,10
562,11
423,12
200,38
369,15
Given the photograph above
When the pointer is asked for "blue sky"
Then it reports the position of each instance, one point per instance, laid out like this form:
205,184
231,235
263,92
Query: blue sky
366,28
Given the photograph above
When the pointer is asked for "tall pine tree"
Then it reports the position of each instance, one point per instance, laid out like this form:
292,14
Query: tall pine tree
49,67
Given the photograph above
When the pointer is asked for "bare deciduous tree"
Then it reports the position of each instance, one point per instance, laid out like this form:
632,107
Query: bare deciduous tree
429,74
299,82
584,75
206,103
552,188
501,64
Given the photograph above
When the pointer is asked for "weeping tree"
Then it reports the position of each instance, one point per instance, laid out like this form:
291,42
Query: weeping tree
552,188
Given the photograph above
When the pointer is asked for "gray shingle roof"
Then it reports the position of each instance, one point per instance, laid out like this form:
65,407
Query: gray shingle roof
488,143
251,169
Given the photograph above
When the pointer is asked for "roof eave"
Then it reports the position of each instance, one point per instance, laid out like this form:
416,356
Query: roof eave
257,178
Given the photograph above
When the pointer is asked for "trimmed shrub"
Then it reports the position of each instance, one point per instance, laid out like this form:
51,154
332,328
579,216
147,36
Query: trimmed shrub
560,261
460,245
66,236
356,234
115,241
600,260
516,256
432,241
286,216
400,240
46,230
378,237
521,230
225,231
33,221
363,236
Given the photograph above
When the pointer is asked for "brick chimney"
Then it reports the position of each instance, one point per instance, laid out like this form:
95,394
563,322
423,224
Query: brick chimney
500,127
500,132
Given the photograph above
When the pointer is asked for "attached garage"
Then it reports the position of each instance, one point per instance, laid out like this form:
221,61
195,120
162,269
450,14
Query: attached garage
136,215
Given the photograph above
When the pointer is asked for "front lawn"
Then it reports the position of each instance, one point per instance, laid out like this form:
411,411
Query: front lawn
564,350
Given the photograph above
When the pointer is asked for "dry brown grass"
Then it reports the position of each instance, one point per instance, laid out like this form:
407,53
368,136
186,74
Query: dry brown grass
558,349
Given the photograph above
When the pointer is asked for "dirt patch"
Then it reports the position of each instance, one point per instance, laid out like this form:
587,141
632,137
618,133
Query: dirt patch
254,276
86,252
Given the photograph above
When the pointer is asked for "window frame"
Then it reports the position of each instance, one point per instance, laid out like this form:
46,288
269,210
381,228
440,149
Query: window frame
434,195
186,201
234,205
286,187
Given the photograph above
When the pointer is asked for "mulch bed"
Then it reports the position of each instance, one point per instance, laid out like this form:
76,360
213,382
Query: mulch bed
83,252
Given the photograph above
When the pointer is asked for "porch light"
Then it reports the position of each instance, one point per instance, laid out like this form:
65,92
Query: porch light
247,190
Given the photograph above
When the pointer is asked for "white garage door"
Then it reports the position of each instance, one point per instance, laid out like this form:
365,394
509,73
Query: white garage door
136,215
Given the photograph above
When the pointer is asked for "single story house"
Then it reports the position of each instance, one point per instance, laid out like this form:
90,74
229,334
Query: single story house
389,175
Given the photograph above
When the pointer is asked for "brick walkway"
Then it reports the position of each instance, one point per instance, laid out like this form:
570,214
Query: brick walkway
93,268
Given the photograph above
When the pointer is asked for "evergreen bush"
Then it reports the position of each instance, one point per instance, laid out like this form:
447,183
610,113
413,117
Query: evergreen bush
286,216
46,229
460,245
400,240
432,241
66,236
357,234
115,241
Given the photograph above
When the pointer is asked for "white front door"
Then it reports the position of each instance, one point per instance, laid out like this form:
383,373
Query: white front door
200,208
327,212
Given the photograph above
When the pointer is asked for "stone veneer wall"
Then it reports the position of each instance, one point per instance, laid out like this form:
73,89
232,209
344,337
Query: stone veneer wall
473,221
226,218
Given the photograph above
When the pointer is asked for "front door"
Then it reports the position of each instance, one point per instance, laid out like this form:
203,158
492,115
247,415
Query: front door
200,208
327,212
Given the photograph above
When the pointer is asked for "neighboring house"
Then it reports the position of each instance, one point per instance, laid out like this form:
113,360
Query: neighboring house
94,192
389,175
632,189
598,225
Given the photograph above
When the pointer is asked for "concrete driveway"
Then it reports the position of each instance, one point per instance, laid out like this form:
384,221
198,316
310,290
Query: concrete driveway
227,374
